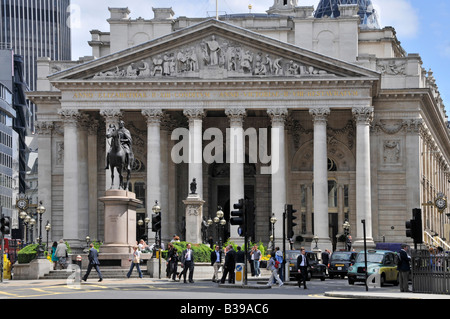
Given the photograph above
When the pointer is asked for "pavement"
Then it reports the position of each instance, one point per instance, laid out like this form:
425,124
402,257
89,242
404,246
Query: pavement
253,284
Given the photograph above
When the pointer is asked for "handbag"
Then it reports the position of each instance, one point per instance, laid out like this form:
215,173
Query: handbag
136,259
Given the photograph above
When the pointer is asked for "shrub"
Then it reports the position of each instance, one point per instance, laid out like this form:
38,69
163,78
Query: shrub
27,254
202,253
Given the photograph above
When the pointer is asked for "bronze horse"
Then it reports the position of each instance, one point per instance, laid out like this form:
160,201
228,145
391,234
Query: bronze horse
117,157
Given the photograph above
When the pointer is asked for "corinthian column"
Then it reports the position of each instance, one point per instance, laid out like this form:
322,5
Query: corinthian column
153,117
195,117
236,158
320,117
44,132
278,165
363,117
71,176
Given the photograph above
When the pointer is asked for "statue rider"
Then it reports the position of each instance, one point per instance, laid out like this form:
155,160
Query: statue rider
127,142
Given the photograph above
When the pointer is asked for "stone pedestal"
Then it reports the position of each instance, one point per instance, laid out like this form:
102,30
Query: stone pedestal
120,226
194,216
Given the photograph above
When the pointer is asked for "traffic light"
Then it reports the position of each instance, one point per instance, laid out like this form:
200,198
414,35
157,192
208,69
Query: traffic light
250,218
238,216
156,222
414,227
290,220
5,225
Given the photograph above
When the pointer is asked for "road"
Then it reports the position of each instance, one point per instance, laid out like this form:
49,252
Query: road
163,290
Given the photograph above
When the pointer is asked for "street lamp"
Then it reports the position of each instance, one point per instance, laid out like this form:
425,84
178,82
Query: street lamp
157,210
316,240
273,220
48,227
40,210
146,221
220,222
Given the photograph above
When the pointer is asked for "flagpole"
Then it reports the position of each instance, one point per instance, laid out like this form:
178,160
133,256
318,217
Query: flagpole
217,9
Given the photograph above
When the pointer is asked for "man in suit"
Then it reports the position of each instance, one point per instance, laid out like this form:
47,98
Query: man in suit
187,262
229,265
216,262
93,262
302,266
404,267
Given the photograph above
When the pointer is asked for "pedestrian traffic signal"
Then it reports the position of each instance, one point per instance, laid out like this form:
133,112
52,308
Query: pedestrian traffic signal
238,216
290,220
5,225
156,222
414,227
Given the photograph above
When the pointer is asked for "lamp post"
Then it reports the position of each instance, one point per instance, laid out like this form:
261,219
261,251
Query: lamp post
22,216
40,210
32,222
48,227
316,240
220,223
346,227
273,220
157,210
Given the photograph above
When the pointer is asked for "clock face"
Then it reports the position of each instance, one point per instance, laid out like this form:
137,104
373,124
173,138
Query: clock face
441,203
22,204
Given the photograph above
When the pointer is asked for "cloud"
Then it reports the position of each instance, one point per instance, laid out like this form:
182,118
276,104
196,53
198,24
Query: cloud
399,14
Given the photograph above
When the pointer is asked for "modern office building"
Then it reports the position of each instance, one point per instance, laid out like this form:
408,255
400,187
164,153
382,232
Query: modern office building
325,114
33,29
8,116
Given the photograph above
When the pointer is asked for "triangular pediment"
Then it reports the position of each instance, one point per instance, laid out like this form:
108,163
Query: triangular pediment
213,50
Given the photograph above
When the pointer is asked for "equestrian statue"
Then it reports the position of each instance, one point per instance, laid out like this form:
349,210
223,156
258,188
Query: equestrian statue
120,155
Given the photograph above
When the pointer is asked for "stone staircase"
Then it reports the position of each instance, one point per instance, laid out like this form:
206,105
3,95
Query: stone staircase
107,273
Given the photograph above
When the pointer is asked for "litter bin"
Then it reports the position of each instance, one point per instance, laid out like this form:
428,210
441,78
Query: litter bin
6,267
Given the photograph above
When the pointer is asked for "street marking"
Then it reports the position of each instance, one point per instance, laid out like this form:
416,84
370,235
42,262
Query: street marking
8,294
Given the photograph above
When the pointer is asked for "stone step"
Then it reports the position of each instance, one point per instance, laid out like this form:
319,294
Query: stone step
106,273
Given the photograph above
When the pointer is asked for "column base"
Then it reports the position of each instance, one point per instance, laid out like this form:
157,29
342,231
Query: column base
358,244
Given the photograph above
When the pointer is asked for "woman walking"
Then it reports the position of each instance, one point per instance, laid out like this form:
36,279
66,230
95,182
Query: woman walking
273,265
136,259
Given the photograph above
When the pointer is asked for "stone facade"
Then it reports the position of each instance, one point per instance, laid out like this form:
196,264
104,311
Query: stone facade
342,125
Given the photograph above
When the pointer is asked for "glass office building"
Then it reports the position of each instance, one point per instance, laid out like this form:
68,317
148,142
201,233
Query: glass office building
33,29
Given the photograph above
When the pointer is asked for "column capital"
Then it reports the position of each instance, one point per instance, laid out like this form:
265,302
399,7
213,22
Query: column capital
194,113
111,115
153,116
236,115
320,115
69,116
278,115
363,115
44,127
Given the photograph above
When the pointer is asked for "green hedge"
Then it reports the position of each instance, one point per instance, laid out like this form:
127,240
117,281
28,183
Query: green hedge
202,253
27,254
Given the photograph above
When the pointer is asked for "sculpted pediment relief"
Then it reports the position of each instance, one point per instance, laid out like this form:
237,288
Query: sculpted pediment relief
213,57
214,50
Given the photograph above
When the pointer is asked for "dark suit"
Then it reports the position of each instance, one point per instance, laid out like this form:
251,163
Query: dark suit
303,275
229,266
93,262
403,267
188,264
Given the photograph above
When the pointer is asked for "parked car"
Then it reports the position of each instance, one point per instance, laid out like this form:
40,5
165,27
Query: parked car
315,269
339,263
381,262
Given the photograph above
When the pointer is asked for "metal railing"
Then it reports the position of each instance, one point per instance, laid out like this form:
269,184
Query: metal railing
435,241
430,273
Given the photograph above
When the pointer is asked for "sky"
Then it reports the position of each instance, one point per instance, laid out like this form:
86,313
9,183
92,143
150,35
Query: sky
422,26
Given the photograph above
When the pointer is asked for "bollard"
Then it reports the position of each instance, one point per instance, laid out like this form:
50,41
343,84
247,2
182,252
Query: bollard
79,260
